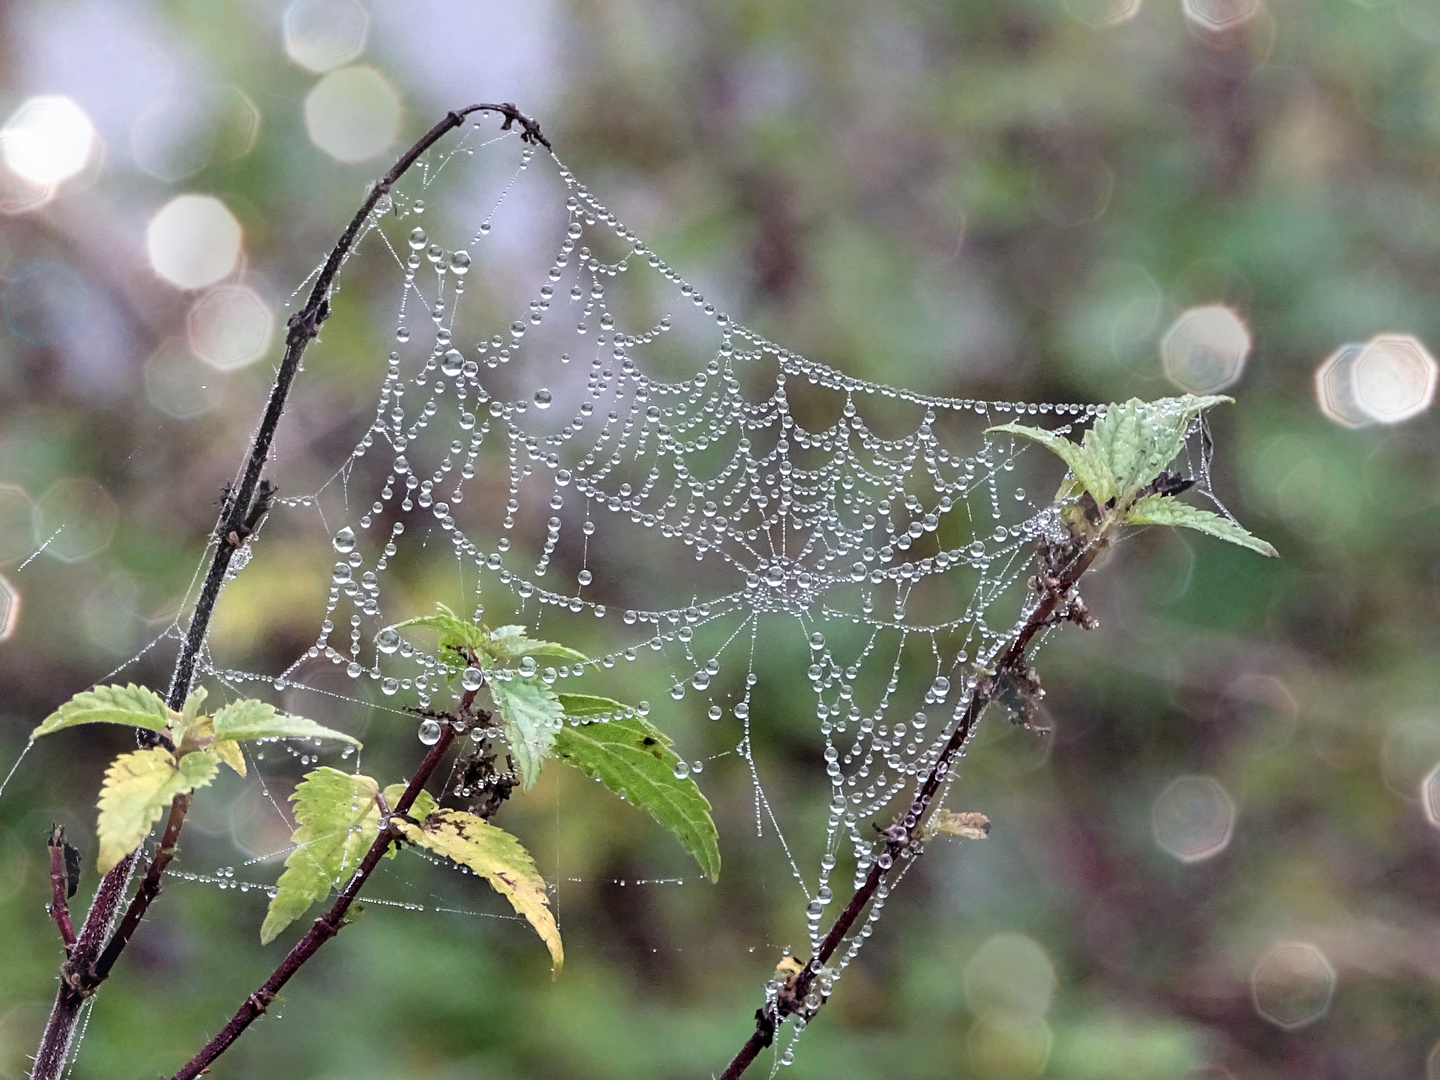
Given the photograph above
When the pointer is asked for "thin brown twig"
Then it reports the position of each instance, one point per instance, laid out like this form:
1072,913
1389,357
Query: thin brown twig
329,924
60,886
240,513
901,836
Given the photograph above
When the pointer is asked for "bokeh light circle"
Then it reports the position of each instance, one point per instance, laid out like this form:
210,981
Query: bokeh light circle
1218,16
173,139
1394,378
1335,388
17,524
324,34
193,241
9,608
47,140
1193,818
1205,349
1102,13
1010,974
75,519
1293,985
353,114
230,326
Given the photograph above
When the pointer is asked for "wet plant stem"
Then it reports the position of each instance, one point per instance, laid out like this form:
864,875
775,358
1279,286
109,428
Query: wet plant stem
901,838
90,958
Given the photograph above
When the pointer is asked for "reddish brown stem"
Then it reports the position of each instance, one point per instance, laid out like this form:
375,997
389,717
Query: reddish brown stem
900,836
240,513
328,925
60,888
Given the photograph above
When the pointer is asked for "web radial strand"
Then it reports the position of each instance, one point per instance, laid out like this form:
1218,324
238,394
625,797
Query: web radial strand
613,461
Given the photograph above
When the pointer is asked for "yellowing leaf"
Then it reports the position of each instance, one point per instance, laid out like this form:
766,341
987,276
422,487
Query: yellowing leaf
532,714
499,858
423,806
133,706
228,751
964,823
632,757
338,821
138,787
252,719
1167,510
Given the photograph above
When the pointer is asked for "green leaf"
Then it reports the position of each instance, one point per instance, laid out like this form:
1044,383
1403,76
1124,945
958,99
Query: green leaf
192,704
1136,440
632,757
507,643
423,806
456,634
133,706
338,821
500,859
1167,510
1092,474
532,714
252,719
138,787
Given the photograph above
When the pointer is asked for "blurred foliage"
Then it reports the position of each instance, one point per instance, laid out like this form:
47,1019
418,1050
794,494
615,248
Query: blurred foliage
979,198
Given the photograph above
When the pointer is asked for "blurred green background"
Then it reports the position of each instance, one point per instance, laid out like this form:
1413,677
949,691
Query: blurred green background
1009,199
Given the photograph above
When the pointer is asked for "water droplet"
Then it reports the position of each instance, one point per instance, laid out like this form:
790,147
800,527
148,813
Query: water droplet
585,577
775,575
460,263
701,680
471,678
517,329
388,640
452,362
682,770
341,573
429,730
418,239
543,396
677,691
344,541
817,641
527,666
940,687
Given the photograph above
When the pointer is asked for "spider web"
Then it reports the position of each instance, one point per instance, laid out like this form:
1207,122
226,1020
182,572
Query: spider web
618,464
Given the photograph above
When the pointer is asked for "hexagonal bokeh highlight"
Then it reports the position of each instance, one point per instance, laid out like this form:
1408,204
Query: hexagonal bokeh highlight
1010,974
75,519
237,123
1205,349
1335,388
20,196
179,385
324,34
1102,13
1193,818
1293,985
173,138
230,326
353,114
1394,378
9,608
1218,16
1430,796
47,140
193,241
17,524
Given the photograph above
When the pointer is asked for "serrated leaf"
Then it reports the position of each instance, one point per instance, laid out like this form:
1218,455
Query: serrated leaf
1135,441
338,821
228,752
423,806
500,859
506,643
1092,474
133,706
531,714
138,787
964,823
253,719
632,757
1167,510
455,633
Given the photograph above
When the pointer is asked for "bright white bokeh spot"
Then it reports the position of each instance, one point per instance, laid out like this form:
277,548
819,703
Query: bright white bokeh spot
193,241
230,326
1220,15
179,385
353,114
9,608
1193,818
1394,378
47,140
17,524
1335,388
324,34
1205,349
1011,975
1102,13
75,519
1293,985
